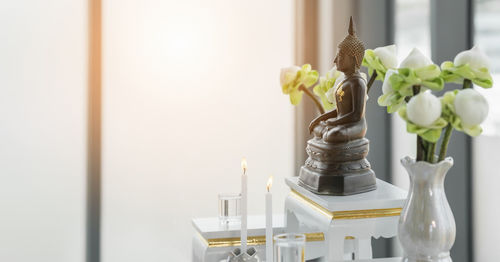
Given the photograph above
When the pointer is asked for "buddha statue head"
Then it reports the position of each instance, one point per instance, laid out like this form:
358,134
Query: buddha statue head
350,52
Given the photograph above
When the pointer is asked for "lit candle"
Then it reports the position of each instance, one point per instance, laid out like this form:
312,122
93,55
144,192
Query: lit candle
244,206
269,221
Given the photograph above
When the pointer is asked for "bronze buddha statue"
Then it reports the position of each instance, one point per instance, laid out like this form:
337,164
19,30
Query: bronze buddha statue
337,162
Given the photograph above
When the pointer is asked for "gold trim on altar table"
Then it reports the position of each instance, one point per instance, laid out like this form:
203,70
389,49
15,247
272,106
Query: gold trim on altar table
358,217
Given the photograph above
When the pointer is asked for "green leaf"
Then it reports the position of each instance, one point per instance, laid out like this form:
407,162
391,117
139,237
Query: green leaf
485,83
286,89
436,84
306,76
428,72
393,108
310,79
373,63
473,131
296,97
326,104
325,84
431,133
384,100
404,79
456,74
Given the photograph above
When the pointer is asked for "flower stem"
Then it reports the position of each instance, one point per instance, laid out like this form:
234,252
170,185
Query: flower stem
370,82
449,128
421,154
444,143
314,99
430,152
420,149
467,84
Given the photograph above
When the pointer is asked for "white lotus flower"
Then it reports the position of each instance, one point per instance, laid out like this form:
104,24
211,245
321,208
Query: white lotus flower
387,55
471,107
386,86
287,74
415,60
424,109
474,57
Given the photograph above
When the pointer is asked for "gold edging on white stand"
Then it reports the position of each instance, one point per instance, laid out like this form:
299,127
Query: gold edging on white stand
253,240
351,214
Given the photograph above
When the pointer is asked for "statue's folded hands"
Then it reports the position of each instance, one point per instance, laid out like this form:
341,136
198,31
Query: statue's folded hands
347,122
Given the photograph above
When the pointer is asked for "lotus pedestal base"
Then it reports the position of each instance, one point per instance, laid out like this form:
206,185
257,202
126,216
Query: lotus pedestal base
337,169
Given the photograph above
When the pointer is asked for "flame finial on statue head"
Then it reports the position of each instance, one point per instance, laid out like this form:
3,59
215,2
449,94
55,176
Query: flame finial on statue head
351,45
351,27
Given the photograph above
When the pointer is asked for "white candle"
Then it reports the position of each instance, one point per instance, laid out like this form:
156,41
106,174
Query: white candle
269,221
244,206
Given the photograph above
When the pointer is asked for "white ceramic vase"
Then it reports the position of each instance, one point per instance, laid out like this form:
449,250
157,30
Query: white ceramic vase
426,228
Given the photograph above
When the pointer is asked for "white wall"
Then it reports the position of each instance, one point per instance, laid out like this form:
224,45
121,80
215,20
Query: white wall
43,52
486,178
486,198
190,87
486,174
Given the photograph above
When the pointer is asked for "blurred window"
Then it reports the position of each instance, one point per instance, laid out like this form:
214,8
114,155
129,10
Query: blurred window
487,37
412,29
485,147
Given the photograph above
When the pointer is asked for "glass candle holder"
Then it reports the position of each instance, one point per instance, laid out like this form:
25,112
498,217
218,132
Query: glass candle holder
289,247
229,208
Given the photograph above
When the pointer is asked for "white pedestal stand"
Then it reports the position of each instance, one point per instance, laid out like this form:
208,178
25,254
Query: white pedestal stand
213,241
348,222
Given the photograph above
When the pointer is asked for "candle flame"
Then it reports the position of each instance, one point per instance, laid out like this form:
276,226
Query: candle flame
244,165
269,183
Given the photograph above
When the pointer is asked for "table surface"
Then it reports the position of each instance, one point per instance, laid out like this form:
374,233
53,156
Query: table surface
392,259
385,196
210,227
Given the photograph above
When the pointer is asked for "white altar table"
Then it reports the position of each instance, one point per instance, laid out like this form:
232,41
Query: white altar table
348,222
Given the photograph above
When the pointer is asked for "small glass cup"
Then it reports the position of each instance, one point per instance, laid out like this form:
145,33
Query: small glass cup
289,247
229,208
